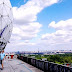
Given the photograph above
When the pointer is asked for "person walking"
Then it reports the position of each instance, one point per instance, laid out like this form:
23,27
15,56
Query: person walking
2,58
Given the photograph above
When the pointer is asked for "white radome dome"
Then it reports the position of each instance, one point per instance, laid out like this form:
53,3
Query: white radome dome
6,19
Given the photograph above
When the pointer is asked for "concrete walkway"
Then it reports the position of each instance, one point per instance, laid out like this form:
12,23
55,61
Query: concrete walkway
15,65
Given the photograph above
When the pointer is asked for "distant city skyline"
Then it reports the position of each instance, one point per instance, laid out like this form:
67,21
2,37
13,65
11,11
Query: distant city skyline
43,24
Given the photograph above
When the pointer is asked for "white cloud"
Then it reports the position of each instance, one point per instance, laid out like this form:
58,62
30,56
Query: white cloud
26,31
62,38
26,15
63,25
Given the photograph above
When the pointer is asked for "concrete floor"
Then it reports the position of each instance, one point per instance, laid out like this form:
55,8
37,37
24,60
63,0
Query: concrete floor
15,65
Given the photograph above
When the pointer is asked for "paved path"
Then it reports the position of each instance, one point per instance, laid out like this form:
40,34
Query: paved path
15,65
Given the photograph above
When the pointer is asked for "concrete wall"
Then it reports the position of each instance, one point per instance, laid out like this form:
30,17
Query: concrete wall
45,65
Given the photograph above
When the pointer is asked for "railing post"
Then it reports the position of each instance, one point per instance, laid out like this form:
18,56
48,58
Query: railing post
59,67
41,65
67,69
37,63
46,66
55,67
50,67
70,69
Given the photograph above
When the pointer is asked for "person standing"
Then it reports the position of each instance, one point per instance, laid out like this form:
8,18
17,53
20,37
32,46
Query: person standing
2,58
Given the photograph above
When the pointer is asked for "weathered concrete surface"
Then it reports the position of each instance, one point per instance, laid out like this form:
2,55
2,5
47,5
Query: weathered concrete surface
15,65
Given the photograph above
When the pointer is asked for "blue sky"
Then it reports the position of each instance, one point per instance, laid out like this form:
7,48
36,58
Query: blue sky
45,24
55,12
17,3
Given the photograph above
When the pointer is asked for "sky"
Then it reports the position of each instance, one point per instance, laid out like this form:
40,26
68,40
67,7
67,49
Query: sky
41,25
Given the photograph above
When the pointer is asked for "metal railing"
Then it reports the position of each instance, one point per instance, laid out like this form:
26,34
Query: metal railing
46,66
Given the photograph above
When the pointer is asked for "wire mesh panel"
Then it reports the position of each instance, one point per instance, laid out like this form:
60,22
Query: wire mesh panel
6,18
